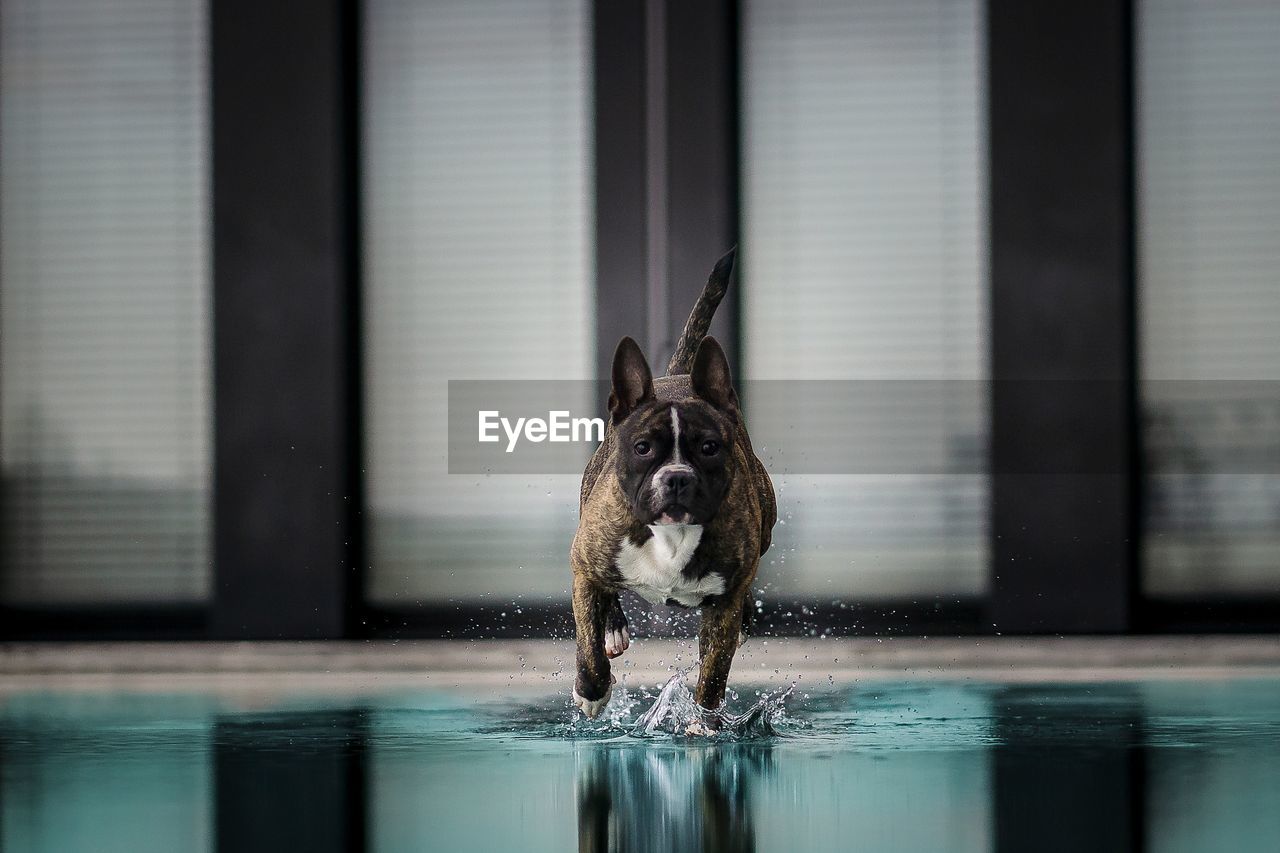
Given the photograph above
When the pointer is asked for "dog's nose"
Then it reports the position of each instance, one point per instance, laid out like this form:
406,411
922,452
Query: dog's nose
677,482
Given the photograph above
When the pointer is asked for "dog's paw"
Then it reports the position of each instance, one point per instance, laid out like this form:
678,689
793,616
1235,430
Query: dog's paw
742,639
616,641
593,707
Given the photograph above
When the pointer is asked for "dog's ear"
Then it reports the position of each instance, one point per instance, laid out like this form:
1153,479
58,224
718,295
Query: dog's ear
710,377
632,381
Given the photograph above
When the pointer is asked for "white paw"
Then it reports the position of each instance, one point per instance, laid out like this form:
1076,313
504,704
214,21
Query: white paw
616,642
698,729
593,707
742,638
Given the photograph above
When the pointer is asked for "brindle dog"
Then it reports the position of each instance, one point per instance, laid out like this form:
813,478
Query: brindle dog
674,506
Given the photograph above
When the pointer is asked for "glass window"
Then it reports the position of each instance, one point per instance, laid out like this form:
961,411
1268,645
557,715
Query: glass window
478,265
104,301
864,191
1209,296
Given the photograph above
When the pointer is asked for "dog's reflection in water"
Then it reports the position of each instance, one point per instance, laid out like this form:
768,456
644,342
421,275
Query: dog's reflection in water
634,798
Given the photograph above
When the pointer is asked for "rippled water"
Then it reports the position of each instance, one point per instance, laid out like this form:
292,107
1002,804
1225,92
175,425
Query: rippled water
1157,765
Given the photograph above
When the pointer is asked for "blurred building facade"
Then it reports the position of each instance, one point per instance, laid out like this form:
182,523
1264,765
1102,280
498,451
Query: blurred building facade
243,249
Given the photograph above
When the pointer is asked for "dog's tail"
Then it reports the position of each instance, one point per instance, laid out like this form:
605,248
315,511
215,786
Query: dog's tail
695,329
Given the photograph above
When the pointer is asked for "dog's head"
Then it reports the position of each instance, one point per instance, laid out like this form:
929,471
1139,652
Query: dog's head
675,457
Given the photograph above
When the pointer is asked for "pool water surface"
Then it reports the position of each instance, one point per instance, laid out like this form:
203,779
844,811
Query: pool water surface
1160,765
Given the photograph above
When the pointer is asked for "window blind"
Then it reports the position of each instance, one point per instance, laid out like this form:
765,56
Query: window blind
104,301
1209,294
477,212
865,238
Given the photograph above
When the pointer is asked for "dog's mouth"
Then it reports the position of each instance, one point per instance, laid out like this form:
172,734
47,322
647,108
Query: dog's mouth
674,515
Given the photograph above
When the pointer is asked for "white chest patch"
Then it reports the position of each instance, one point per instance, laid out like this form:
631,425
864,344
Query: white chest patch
653,570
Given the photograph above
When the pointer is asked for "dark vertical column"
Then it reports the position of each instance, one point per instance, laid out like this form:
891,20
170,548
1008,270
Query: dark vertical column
1063,426
664,215
702,161
618,57
292,781
285,369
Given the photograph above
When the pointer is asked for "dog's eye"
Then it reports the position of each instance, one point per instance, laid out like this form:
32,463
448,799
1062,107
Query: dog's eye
643,448
709,448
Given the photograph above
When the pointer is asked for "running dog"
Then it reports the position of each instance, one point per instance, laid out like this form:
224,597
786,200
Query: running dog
674,506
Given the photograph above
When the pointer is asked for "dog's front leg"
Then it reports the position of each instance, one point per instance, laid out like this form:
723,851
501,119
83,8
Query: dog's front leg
717,641
594,684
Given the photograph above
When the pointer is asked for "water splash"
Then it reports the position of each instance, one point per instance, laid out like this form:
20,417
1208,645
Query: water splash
675,712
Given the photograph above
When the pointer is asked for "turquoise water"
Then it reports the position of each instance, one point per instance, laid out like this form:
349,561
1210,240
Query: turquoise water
1156,765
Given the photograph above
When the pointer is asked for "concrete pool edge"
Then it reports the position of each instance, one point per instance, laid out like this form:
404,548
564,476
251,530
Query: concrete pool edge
547,664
